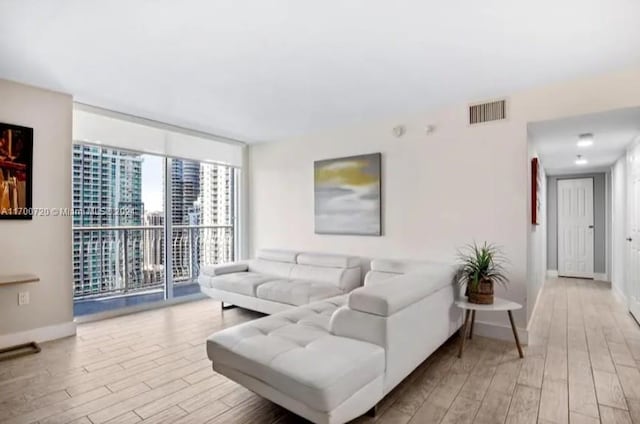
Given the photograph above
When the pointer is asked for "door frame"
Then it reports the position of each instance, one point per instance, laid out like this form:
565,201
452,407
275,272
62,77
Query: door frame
588,275
631,284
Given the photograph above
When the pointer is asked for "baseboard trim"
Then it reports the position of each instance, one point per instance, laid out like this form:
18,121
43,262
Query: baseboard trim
621,297
535,305
38,335
600,277
552,273
499,331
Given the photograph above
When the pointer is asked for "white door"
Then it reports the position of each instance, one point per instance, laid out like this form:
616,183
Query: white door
633,229
575,228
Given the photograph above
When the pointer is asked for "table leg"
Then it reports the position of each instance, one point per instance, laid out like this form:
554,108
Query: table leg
515,334
473,321
463,333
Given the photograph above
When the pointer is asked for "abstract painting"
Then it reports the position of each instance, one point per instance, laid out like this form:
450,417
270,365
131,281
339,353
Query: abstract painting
347,195
16,151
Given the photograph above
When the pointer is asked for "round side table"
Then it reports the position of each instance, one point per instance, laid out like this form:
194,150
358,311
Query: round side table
498,305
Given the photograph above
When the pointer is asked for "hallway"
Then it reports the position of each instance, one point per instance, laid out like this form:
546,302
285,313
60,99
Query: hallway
584,354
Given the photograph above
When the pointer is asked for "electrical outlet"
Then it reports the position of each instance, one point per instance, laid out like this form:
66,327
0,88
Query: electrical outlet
23,298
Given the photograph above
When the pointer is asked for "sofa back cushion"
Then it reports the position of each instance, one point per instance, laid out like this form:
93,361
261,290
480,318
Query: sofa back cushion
391,296
326,260
383,269
276,255
346,279
277,263
342,271
271,268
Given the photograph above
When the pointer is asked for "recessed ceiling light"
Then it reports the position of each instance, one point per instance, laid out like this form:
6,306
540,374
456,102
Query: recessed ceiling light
581,161
585,140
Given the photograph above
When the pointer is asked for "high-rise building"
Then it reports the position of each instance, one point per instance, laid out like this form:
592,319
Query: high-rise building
185,190
106,192
217,188
153,239
153,252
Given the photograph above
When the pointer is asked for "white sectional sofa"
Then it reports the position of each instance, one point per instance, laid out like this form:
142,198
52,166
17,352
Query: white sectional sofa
278,280
332,361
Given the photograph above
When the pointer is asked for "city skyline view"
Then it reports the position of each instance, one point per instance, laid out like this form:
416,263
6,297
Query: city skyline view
124,259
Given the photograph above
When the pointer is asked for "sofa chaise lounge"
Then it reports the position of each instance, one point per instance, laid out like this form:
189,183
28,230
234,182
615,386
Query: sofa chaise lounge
333,360
279,280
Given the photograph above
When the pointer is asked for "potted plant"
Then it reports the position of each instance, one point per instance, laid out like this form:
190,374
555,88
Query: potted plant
480,268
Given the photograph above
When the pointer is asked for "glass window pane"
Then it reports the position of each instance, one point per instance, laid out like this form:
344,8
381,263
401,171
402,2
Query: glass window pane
118,232
120,206
202,208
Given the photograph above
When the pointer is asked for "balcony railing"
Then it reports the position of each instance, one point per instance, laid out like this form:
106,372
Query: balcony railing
124,259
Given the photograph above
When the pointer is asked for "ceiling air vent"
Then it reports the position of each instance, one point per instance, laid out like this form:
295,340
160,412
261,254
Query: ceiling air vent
485,112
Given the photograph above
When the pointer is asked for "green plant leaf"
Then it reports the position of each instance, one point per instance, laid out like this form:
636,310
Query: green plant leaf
482,262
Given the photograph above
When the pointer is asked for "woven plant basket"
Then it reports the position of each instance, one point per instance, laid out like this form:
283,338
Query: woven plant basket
482,293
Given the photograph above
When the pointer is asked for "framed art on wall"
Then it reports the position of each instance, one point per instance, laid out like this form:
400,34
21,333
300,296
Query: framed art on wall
16,155
536,191
347,195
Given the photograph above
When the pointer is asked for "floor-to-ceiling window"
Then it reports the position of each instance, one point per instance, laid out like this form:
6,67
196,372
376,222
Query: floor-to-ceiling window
118,210
144,224
202,210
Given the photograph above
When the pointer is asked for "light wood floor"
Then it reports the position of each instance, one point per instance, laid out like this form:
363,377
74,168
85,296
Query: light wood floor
582,366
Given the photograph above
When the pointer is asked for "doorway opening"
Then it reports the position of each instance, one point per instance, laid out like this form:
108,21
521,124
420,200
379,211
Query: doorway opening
591,166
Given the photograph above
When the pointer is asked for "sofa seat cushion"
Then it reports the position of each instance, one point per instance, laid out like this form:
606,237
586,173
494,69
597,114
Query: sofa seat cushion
318,314
237,282
294,353
296,292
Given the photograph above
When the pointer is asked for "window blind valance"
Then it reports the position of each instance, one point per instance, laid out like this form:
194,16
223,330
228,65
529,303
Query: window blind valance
135,134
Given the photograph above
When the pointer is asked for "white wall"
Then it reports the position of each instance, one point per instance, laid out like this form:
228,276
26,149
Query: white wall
440,191
43,245
609,227
619,226
536,241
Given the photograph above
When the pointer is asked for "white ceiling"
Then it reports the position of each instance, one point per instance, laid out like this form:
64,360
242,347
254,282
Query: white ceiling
555,141
264,70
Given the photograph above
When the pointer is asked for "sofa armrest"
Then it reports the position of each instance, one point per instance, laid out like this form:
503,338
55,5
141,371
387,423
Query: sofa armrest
221,269
346,322
394,294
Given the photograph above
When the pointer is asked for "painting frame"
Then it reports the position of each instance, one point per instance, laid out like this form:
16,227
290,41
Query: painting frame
18,167
536,192
372,164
